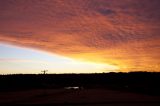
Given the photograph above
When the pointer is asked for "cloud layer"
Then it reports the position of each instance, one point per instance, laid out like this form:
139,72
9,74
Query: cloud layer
120,32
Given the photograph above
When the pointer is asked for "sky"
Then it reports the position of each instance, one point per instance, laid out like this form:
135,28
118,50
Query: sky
18,60
123,34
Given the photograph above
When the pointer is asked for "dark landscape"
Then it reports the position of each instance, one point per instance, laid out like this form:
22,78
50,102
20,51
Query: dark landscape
116,43
134,88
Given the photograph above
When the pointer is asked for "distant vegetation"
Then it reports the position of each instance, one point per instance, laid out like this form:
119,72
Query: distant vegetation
140,82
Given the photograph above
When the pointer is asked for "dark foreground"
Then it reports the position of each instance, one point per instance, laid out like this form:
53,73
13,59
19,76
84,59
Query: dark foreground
120,89
84,97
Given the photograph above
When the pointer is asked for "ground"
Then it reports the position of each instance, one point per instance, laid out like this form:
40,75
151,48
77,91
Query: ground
80,97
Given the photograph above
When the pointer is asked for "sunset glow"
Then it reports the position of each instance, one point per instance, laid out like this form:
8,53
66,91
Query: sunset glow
17,60
95,35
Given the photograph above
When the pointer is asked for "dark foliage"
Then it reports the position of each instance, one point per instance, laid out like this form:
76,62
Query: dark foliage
140,82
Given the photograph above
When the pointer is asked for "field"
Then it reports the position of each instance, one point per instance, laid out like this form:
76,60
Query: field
114,89
83,97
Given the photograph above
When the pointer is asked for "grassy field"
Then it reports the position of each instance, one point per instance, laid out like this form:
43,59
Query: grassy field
81,97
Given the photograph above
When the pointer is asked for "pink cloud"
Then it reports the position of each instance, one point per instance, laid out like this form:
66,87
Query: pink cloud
118,32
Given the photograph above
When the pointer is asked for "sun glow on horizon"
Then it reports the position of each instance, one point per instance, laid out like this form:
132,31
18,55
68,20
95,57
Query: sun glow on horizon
15,60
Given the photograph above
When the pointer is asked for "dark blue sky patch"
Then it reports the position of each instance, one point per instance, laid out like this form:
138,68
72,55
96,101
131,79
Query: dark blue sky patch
106,11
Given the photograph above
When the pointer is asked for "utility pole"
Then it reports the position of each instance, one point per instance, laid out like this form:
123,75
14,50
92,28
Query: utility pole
44,71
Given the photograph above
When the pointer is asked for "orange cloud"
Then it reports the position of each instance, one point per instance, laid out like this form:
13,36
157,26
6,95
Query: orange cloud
124,33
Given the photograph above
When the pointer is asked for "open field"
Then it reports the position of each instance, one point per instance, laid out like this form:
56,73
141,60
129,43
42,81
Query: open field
120,89
81,97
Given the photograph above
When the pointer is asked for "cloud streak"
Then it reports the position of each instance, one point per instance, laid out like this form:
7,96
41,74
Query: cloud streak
123,32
